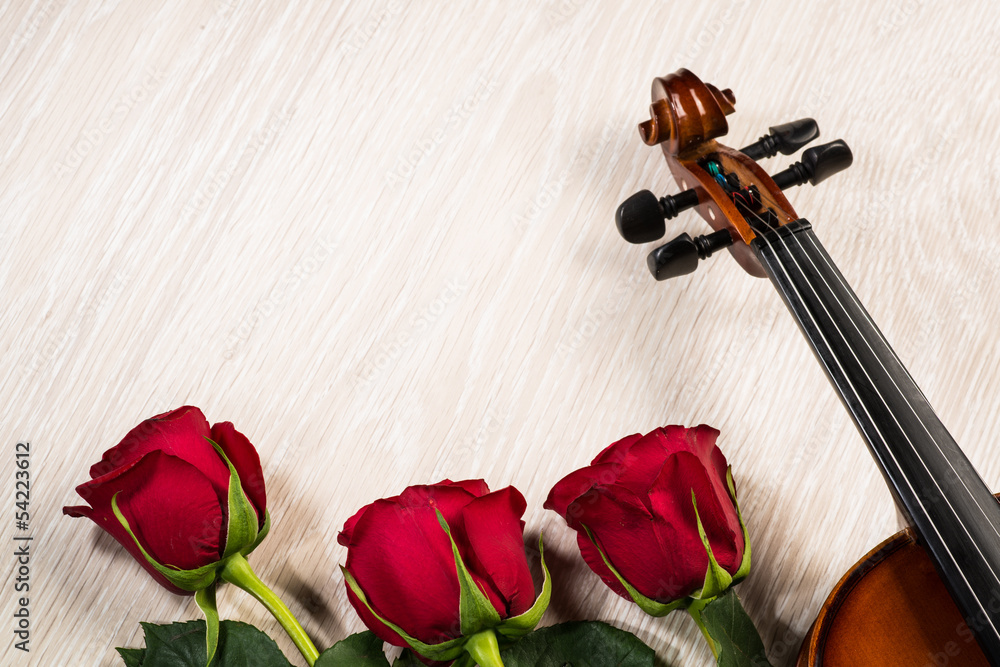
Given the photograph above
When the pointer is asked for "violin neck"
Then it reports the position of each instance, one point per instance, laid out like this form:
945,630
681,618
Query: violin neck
934,484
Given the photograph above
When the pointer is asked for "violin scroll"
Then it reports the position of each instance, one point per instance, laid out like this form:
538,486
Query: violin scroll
686,112
727,187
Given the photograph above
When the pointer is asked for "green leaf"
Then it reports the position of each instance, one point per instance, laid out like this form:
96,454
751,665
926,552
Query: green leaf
133,657
363,649
518,626
734,633
242,530
183,645
579,644
407,659
476,612
648,605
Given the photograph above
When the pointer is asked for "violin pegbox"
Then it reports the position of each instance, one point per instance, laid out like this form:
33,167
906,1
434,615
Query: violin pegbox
727,187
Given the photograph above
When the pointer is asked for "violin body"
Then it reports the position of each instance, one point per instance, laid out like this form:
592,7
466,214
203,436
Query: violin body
931,594
891,609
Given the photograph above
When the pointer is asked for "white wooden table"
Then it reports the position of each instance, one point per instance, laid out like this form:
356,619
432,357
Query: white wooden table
378,237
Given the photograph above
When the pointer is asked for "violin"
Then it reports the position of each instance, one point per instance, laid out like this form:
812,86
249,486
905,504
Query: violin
929,595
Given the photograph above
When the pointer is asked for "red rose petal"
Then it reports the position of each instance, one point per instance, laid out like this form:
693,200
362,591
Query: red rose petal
491,541
593,558
403,561
383,631
624,530
615,452
180,433
245,459
450,499
345,536
670,497
476,487
712,456
171,507
641,465
420,495
576,484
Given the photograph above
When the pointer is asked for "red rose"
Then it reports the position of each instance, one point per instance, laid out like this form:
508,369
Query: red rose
172,488
642,500
414,555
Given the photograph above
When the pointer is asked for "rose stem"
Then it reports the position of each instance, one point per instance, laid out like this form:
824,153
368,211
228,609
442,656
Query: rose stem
483,647
695,611
237,572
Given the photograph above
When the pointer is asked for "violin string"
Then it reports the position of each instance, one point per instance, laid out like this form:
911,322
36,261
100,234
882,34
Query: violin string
961,478
902,394
766,224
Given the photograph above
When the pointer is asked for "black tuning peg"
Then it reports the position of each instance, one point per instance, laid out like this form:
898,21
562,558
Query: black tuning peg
818,164
640,217
786,138
680,256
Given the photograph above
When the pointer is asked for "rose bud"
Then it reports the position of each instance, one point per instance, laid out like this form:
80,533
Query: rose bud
656,517
186,497
188,502
442,569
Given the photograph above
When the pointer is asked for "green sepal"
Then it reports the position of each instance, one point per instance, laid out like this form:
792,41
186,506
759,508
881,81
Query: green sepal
243,521
206,600
476,612
648,605
744,568
445,651
717,580
518,626
188,580
260,536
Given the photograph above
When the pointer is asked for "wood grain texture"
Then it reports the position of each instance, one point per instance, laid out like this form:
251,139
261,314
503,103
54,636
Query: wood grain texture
378,238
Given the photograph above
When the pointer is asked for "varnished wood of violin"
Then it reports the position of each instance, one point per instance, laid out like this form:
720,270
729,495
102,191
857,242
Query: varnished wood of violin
685,118
891,610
